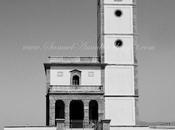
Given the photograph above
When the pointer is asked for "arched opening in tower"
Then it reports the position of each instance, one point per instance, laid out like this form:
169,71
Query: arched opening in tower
59,110
76,114
93,111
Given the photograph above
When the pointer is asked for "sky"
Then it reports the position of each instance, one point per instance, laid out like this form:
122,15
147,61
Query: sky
32,30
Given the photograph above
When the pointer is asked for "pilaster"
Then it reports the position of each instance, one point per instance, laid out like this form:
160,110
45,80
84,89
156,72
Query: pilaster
52,112
86,113
101,110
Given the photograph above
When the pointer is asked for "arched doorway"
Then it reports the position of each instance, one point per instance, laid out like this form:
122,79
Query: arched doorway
59,110
76,114
93,111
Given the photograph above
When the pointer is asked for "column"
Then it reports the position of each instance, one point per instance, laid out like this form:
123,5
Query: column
67,120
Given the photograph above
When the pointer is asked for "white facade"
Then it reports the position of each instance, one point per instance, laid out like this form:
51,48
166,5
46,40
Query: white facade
118,1
118,55
119,80
43,128
62,76
120,110
118,25
112,128
143,128
30,128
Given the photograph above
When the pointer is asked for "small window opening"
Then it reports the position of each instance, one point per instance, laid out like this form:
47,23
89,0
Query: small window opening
118,43
118,13
75,80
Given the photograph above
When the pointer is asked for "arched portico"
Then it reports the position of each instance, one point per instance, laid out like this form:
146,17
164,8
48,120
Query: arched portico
59,110
76,114
93,111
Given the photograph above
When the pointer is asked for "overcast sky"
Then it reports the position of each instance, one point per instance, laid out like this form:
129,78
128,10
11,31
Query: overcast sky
32,30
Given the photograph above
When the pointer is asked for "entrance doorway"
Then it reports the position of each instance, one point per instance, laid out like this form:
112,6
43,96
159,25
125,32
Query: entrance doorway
76,114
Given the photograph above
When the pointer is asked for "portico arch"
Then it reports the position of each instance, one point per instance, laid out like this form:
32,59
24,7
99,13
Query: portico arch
76,114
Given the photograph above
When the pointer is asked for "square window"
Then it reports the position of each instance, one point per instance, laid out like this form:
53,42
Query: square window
59,74
91,74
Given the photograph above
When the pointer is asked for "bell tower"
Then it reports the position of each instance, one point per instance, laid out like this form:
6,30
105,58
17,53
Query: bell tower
116,40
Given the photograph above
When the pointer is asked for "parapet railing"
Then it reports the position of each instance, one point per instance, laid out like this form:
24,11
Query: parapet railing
55,59
76,88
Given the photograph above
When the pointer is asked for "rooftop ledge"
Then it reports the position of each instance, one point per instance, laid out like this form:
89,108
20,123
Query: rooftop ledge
56,59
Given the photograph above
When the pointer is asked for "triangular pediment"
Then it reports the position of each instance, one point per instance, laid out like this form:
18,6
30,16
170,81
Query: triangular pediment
75,70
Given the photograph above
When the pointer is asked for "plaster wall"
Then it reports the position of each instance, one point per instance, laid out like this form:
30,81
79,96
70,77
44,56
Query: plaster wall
121,110
62,76
30,128
143,128
119,80
118,55
118,1
118,25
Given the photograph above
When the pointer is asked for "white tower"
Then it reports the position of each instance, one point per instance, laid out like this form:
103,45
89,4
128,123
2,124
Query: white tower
116,49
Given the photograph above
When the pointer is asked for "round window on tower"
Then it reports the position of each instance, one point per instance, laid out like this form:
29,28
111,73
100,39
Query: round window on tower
118,13
118,43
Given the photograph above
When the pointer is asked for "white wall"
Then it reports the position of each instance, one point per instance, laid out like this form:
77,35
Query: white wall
142,128
120,110
30,128
86,80
118,55
118,1
118,25
65,79
59,80
111,128
119,80
129,128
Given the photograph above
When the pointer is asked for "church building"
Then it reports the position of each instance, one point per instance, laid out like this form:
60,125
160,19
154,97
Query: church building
86,90
74,91
97,93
